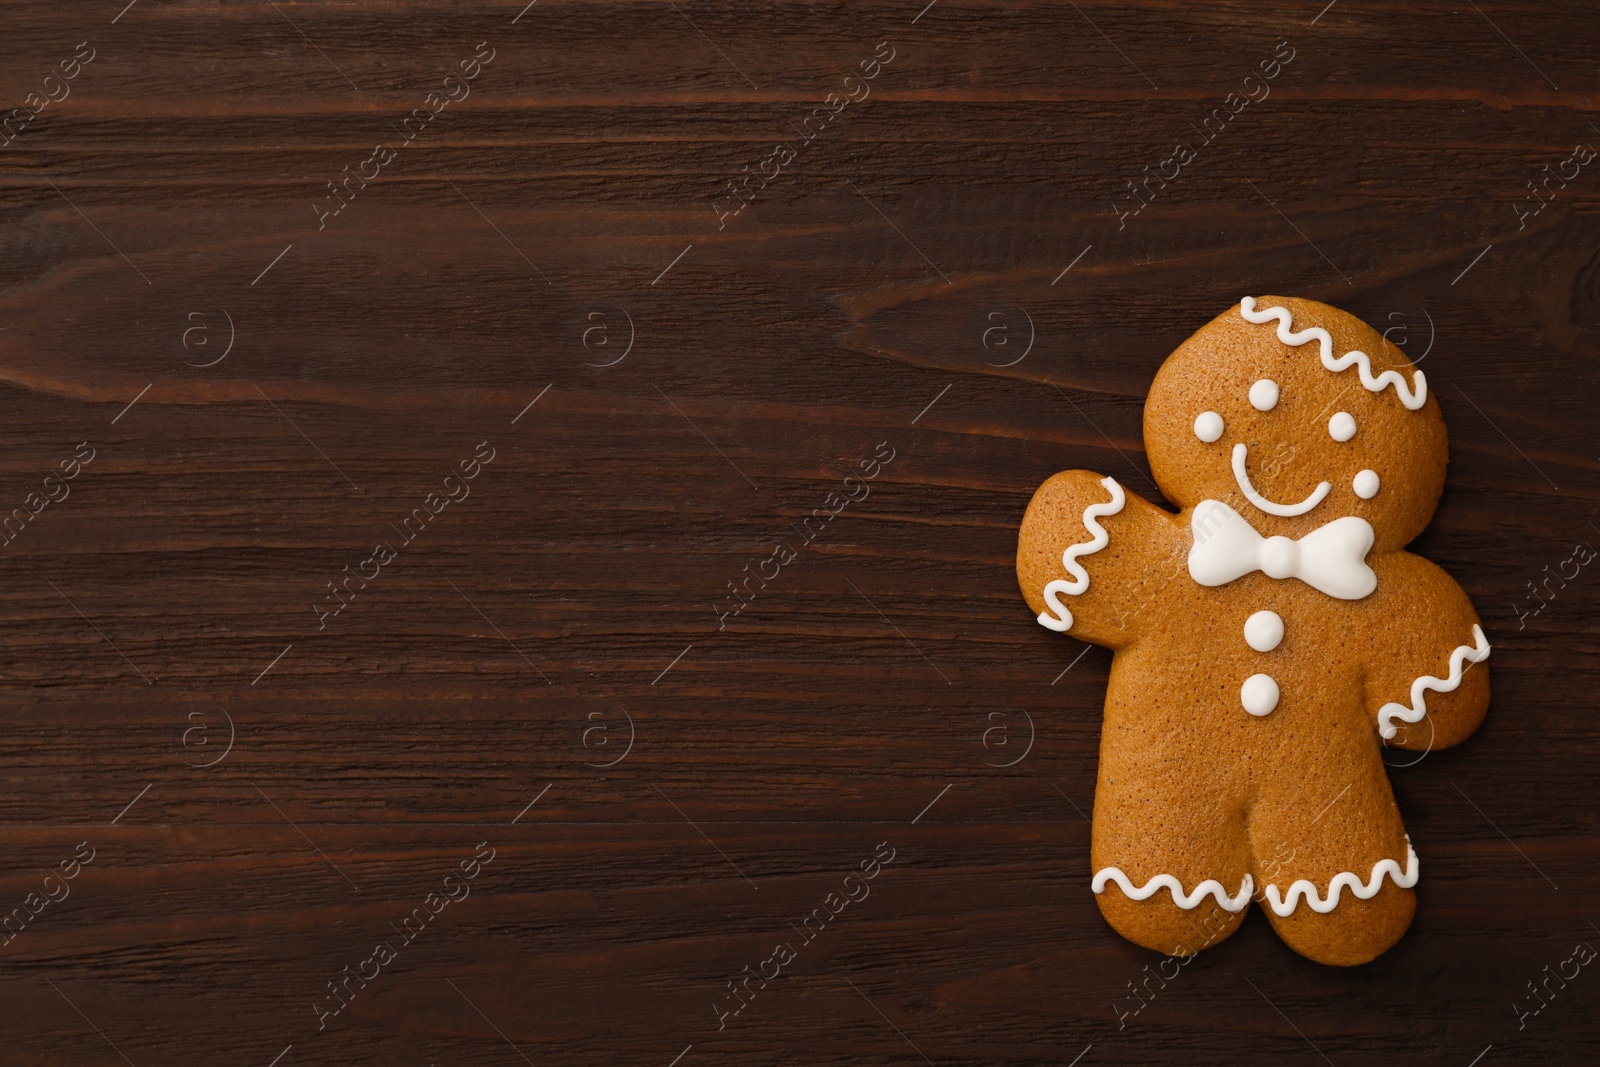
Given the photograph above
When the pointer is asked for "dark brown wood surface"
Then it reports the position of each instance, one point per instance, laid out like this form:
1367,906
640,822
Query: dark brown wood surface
268,793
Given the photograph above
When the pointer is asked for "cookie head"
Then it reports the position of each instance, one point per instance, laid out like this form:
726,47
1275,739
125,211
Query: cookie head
1295,413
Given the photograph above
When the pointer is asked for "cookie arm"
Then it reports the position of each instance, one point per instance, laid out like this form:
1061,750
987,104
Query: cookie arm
1090,554
1427,684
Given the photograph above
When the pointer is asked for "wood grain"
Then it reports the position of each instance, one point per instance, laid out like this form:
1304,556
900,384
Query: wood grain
501,655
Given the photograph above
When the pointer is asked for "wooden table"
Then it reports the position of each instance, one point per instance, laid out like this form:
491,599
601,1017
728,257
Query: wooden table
278,277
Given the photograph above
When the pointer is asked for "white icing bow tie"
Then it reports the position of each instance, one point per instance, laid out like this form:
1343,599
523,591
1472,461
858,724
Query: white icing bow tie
1332,558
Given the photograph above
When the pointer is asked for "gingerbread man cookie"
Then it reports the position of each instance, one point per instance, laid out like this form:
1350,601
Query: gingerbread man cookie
1266,637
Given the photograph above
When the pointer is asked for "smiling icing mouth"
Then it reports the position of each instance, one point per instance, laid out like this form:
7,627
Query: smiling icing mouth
1285,510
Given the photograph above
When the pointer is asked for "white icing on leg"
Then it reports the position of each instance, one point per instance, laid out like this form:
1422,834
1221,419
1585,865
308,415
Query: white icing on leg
1069,559
1284,906
1375,384
1476,652
1209,887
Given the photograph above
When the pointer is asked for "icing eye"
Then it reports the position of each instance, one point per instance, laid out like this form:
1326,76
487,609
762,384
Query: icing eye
1208,427
1366,485
1342,426
1264,395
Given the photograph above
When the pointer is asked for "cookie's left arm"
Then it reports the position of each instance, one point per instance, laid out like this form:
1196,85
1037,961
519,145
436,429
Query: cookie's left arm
1427,682
1093,557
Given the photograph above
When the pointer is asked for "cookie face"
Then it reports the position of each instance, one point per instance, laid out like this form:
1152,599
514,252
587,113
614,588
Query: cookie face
1269,638
1240,416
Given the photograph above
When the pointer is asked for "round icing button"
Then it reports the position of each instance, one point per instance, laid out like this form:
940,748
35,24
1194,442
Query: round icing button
1263,631
1280,557
1208,426
1342,426
1264,395
1366,484
1259,694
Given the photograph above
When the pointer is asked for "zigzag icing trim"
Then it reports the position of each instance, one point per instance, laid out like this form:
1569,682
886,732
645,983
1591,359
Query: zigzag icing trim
1210,887
1477,652
1411,399
1091,515
1069,559
1346,880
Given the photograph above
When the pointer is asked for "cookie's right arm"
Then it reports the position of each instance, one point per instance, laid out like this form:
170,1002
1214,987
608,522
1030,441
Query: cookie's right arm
1087,553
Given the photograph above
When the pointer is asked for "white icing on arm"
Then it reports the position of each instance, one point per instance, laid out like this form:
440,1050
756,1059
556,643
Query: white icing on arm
1209,887
1285,906
1476,652
1375,384
1062,621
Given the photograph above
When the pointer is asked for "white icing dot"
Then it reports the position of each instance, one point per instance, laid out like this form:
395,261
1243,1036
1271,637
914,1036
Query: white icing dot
1259,694
1208,427
1366,484
1264,395
1342,426
1263,631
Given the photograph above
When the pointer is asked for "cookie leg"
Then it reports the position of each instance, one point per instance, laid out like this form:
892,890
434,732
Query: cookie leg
1173,888
1336,886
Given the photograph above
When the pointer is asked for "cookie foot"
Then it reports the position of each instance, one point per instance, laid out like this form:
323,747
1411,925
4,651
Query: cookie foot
1161,922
